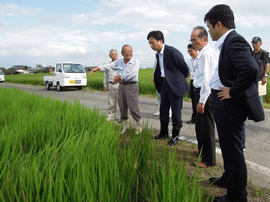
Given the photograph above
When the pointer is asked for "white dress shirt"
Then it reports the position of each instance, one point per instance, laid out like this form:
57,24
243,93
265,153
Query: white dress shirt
161,63
207,64
127,72
193,64
215,80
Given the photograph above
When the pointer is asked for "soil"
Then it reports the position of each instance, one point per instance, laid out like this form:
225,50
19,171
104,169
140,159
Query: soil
185,149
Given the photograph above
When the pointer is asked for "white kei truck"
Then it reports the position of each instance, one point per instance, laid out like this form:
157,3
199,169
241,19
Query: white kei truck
66,75
2,76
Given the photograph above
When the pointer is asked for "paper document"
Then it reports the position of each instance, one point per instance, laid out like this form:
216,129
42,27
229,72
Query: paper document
262,89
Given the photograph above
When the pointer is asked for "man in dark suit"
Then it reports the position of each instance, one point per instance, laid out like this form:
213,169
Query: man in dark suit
170,81
232,87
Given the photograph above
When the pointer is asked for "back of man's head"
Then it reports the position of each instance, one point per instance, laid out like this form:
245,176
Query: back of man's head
221,13
156,34
190,46
202,32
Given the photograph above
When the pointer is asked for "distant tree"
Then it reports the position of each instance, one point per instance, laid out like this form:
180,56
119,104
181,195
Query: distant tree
25,67
3,68
39,66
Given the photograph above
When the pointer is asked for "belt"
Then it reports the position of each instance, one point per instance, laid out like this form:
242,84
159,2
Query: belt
127,83
215,91
197,90
112,83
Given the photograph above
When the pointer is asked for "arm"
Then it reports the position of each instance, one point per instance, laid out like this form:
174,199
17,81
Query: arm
208,62
178,59
105,82
264,79
240,55
94,70
266,69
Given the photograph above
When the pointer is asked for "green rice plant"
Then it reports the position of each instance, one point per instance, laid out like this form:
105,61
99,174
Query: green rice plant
61,151
32,79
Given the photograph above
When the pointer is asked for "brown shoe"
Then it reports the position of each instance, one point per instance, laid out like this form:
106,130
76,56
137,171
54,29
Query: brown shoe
197,152
200,164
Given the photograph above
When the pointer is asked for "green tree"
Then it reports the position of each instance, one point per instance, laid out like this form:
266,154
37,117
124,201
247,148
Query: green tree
39,66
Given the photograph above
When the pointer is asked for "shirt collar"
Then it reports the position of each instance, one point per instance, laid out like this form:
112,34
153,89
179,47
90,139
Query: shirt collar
201,52
129,62
162,50
220,41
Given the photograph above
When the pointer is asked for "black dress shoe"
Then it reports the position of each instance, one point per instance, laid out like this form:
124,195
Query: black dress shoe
226,199
173,141
191,122
160,136
219,182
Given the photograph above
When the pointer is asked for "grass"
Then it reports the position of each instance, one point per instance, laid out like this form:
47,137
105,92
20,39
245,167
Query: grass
62,151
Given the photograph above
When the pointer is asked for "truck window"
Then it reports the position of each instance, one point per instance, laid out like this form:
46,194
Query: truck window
58,68
73,68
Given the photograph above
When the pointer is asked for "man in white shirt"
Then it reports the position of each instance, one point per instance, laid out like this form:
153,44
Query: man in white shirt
204,125
111,88
127,76
192,63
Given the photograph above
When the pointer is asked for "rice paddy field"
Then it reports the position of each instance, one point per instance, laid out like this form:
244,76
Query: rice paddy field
95,83
61,151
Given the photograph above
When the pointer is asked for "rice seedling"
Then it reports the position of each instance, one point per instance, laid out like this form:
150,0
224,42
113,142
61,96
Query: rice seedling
61,151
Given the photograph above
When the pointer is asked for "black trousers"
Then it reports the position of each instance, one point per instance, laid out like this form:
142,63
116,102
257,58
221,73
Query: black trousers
169,99
230,116
192,96
205,131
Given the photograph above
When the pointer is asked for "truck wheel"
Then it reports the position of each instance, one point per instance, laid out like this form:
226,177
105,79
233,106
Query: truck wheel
58,87
79,88
47,86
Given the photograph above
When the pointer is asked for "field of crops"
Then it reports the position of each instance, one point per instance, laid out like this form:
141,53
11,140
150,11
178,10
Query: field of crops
95,82
62,151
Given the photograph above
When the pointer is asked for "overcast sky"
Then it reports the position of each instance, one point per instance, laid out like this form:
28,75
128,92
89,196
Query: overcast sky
49,31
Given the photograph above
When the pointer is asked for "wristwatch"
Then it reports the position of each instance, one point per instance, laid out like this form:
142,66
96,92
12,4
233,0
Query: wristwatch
266,75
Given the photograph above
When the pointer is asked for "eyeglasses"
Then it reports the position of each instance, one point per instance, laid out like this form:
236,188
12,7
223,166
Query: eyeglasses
193,40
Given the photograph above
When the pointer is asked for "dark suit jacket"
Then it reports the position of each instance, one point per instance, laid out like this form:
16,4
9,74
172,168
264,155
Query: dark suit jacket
238,70
176,71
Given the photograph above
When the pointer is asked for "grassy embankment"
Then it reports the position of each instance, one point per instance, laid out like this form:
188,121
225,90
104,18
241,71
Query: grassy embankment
62,151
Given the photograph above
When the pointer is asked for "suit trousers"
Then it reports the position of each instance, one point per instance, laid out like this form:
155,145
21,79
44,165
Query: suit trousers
205,131
170,99
230,116
128,98
112,99
192,96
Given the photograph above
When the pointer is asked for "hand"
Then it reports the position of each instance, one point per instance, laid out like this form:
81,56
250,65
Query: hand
224,94
264,80
94,70
116,79
106,89
200,108
153,81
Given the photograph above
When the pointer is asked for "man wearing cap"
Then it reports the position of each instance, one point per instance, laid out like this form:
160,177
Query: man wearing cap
262,58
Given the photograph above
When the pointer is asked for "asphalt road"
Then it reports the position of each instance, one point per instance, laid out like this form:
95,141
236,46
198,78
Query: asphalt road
257,134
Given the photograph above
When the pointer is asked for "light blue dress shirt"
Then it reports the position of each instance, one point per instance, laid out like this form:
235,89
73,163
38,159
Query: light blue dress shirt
161,63
128,72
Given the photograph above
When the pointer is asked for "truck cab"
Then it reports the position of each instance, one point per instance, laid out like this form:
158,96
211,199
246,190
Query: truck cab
67,75
2,76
